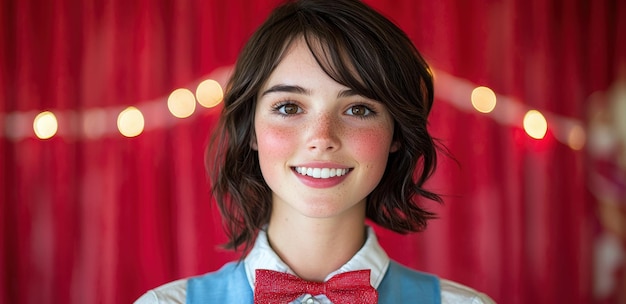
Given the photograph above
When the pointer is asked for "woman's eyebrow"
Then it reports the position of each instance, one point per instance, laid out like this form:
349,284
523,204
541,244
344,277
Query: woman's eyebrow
347,93
284,88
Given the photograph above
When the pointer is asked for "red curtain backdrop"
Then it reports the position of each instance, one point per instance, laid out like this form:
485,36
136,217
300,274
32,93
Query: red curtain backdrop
91,216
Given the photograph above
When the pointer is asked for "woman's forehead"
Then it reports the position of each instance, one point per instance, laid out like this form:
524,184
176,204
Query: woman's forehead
332,58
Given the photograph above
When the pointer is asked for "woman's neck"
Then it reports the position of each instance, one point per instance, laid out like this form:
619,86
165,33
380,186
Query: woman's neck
313,247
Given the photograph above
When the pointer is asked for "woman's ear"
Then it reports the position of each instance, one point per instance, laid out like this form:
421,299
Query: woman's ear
395,146
253,143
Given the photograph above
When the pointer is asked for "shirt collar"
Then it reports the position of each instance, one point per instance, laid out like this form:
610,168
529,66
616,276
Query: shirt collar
370,256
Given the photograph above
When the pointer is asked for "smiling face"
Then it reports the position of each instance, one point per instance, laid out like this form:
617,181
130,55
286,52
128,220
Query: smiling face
322,147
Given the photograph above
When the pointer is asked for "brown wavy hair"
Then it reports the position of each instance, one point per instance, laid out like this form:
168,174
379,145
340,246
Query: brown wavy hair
359,48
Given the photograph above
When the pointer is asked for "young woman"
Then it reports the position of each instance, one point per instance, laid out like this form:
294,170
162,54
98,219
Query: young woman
324,125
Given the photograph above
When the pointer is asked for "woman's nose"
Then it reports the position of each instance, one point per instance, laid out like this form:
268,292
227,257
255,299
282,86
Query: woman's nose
323,134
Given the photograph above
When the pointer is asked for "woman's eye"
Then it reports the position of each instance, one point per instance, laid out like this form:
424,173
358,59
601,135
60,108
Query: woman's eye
359,110
289,109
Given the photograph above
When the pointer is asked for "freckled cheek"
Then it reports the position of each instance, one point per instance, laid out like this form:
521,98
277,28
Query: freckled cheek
372,145
273,141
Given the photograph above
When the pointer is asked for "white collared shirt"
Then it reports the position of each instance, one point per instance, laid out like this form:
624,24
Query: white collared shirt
370,256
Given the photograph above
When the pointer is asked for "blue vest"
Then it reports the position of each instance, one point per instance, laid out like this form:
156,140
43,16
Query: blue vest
230,285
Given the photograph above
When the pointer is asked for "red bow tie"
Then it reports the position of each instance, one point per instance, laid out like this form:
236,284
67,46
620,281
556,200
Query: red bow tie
348,287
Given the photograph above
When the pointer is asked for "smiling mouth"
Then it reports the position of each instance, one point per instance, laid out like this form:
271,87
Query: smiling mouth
321,172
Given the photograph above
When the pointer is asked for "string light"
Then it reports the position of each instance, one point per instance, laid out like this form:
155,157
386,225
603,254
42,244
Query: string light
45,125
130,122
483,99
181,103
576,138
535,124
209,93
94,123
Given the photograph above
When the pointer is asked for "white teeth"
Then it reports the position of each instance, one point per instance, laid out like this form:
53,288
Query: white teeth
321,172
325,173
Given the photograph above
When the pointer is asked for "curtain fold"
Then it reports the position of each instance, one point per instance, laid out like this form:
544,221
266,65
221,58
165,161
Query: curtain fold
91,216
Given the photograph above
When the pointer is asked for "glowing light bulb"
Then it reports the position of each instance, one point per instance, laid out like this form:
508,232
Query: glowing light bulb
181,103
130,122
483,99
209,93
535,124
45,125
576,138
